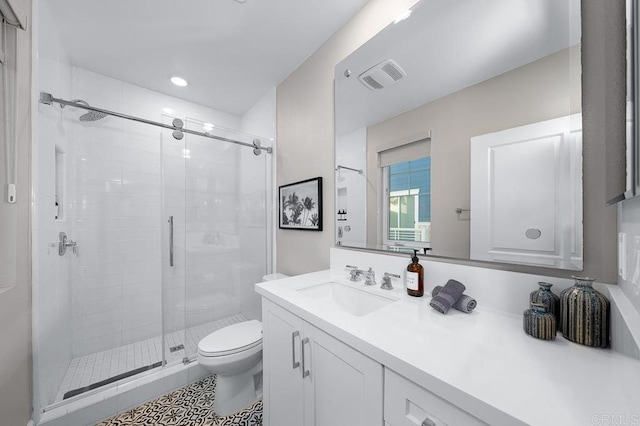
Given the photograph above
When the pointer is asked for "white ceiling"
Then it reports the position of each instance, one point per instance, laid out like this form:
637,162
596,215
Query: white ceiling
446,46
230,53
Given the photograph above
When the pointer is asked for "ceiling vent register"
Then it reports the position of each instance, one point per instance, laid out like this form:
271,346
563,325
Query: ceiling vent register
382,75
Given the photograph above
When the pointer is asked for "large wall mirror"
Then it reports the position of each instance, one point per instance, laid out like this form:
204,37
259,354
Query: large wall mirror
459,132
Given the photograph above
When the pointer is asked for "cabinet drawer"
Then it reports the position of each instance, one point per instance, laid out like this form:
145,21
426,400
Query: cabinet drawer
407,404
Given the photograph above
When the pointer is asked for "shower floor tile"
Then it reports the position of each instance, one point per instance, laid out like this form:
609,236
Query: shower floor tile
96,367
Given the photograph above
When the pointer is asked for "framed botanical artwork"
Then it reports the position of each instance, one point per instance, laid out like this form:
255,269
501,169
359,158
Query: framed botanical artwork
301,205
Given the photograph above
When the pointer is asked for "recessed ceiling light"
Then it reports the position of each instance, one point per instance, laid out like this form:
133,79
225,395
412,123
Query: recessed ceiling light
178,81
168,110
208,126
404,15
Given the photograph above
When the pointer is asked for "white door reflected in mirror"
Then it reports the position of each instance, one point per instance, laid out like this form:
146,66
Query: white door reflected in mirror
528,175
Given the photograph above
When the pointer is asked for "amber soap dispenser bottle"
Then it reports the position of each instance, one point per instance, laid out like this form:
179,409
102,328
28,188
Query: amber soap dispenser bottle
415,277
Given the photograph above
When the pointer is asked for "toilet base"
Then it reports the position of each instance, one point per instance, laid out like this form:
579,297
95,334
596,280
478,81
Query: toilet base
237,391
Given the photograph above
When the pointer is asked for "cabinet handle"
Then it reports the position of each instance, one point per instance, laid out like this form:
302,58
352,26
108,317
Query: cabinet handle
305,372
428,422
295,334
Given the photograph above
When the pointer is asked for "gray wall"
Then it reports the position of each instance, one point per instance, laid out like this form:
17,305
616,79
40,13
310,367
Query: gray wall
15,304
305,133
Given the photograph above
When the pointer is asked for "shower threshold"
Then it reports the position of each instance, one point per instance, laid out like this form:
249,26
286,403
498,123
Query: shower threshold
110,380
89,372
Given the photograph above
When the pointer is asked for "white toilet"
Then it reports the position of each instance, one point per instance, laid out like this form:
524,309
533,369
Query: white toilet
234,354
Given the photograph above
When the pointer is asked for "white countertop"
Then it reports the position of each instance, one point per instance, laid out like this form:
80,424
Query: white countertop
481,362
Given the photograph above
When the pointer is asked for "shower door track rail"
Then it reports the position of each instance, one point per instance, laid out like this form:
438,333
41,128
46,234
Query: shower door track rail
176,126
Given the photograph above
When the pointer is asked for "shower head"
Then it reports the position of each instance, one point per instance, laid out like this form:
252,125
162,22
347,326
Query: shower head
92,116
89,116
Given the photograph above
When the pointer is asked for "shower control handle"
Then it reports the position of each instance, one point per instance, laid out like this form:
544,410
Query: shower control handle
171,241
295,334
64,243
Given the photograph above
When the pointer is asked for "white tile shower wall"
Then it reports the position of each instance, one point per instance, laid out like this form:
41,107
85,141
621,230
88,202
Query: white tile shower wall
116,217
50,272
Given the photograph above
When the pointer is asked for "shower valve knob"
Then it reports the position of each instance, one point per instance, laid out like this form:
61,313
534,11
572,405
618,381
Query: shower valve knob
65,243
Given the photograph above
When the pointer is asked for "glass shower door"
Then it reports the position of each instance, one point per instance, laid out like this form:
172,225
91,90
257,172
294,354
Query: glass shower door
221,233
173,246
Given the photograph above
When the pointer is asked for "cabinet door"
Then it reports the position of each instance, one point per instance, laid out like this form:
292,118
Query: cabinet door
283,393
343,387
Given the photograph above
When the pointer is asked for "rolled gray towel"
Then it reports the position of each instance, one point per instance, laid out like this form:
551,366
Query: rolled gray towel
465,304
449,295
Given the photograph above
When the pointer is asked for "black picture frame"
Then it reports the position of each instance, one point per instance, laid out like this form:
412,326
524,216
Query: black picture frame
300,205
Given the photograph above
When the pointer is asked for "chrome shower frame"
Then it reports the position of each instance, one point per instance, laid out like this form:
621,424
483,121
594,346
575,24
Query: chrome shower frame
177,126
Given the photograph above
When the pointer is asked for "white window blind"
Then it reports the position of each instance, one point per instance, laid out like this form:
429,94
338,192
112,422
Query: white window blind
406,152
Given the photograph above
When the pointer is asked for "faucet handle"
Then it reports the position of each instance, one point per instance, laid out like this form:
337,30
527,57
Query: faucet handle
355,275
386,281
370,276
354,272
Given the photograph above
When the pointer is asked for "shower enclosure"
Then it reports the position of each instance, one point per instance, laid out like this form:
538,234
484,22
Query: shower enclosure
167,229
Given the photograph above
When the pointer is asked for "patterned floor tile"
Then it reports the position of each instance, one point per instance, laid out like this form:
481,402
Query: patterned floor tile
188,406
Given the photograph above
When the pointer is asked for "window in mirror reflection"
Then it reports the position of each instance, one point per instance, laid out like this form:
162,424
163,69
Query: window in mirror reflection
408,202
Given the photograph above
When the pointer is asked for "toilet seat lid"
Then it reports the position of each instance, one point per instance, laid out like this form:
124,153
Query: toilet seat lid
232,339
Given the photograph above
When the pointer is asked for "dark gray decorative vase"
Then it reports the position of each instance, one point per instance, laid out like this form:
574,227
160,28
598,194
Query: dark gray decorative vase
539,323
584,314
545,296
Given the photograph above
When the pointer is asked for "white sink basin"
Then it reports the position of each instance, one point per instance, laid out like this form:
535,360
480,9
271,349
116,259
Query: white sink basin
348,299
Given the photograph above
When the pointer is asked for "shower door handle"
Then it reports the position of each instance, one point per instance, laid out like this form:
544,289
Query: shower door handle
171,241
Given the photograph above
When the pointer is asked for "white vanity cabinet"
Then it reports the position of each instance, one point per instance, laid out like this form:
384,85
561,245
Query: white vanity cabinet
313,379
404,364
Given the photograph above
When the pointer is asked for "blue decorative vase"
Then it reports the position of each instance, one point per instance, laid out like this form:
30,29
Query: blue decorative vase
584,314
539,323
545,296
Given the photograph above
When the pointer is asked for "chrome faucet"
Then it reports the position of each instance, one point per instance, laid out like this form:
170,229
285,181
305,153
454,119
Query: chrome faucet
386,281
370,277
